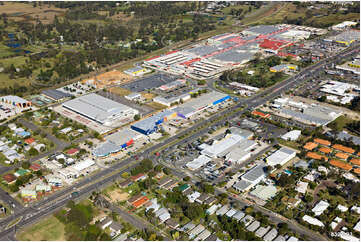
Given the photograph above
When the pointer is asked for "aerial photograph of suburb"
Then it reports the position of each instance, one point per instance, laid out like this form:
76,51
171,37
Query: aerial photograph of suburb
180,120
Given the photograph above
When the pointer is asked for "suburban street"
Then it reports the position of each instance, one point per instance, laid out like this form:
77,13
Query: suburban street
104,177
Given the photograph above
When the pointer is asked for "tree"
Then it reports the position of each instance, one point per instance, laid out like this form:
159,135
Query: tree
25,165
187,178
136,117
166,170
207,188
193,211
33,152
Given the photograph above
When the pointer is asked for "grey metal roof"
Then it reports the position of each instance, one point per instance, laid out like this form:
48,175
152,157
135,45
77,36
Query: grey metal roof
203,50
260,232
346,136
96,107
106,148
56,94
242,185
150,123
232,56
122,136
253,226
304,117
239,215
263,29
135,69
271,235
255,173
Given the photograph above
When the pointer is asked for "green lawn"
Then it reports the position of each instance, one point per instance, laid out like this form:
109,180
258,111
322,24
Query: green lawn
50,229
339,123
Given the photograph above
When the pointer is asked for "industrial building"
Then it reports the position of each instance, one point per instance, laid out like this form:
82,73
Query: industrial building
198,163
222,147
100,109
283,68
116,142
16,101
230,50
251,178
169,101
173,85
345,38
344,25
55,95
314,115
137,71
200,103
151,124
281,157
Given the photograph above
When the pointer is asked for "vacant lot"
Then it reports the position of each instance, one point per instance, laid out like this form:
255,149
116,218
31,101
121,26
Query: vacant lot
26,11
119,91
47,229
117,196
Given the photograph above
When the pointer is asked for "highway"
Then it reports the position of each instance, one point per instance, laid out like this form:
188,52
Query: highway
102,178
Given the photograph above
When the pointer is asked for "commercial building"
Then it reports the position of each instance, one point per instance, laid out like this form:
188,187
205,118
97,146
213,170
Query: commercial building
314,115
344,25
241,151
133,96
151,124
55,95
251,178
100,109
16,101
283,68
169,101
345,38
220,148
200,103
173,85
264,192
137,71
198,163
281,157
291,135
116,142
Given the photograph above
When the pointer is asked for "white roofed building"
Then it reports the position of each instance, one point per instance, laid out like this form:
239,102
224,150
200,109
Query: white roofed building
281,157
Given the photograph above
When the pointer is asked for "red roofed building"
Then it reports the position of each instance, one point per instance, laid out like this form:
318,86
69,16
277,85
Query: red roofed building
140,202
29,141
72,151
138,177
35,167
9,178
263,115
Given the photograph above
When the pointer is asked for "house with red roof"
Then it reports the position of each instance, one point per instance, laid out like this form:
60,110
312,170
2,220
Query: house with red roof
29,141
72,151
9,178
35,167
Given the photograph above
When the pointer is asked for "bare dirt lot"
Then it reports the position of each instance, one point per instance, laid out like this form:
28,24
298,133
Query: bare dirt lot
117,196
26,11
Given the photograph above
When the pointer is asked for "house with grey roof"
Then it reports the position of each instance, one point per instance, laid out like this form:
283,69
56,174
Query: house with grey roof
253,226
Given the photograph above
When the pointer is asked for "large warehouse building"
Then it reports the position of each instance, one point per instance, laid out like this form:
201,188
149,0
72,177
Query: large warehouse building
116,142
150,125
230,50
186,110
100,109
194,106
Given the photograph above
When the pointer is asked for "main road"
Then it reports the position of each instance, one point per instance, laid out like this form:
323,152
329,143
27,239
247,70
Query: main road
57,200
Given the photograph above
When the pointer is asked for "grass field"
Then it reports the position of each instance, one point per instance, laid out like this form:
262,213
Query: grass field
50,229
156,106
119,91
19,11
